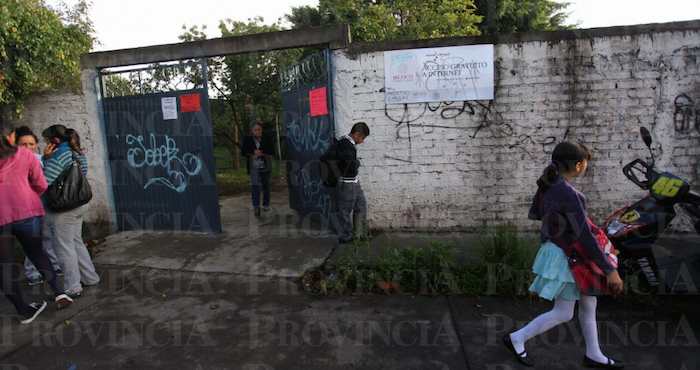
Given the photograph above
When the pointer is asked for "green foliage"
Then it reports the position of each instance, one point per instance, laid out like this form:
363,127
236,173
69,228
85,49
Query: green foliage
426,270
507,258
116,85
407,19
503,268
508,16
248,84
40,49
231,181
392,19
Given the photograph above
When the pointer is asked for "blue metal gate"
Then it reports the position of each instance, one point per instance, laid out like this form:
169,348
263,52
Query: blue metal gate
308,119
162,163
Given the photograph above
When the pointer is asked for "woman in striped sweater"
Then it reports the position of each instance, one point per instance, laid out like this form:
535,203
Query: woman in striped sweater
64,229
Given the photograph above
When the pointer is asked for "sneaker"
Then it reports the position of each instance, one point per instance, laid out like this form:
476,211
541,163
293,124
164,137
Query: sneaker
74,295
36,309
257,212
63,301
34,282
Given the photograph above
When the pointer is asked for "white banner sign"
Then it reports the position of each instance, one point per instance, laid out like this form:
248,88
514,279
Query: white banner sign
456,73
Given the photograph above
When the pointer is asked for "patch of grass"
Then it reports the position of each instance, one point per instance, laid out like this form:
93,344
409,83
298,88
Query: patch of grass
503,267
223,159
232,181
507,257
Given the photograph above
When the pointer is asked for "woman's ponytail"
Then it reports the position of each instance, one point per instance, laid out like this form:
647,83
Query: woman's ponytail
6,149
73,140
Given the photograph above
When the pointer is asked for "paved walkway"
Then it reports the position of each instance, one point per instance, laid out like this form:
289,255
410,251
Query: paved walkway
183,301
273,246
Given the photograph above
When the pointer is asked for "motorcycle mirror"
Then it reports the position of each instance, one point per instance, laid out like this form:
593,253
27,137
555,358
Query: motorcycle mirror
646,136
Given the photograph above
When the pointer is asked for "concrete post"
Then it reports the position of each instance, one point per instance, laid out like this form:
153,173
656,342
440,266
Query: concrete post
102,219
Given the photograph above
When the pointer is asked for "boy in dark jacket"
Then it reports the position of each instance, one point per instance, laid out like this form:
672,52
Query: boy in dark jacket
350,200
258,153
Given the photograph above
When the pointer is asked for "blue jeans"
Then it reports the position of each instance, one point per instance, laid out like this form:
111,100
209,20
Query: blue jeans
261,185
28,233
30,270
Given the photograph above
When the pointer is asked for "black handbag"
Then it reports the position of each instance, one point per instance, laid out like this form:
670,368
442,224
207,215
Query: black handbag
70,190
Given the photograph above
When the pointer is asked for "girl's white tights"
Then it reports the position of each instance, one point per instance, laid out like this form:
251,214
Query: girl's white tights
562,312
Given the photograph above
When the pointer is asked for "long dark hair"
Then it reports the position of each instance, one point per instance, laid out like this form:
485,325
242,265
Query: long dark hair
6,149
73,140
55,132
564,158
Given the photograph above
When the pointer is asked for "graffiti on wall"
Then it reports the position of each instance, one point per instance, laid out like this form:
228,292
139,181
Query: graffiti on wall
526,142
311,188
310,70
306,136
485,118
488,117
178,168
686,115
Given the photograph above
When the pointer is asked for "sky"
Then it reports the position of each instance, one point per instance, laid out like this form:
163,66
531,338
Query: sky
605,13
134,23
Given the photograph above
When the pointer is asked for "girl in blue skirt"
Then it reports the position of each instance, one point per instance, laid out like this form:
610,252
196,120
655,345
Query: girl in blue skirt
562,210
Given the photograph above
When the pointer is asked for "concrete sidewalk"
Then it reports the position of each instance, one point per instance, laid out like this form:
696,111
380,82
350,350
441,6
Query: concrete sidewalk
273,246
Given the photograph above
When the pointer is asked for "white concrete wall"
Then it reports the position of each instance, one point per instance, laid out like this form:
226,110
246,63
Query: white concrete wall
444,175
70,109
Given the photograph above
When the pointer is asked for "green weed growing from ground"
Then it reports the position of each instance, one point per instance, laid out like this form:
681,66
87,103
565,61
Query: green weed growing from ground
503,267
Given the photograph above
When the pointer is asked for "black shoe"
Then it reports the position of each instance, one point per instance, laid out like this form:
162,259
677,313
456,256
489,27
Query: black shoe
520,357
614,364
345,241
35,310
257,212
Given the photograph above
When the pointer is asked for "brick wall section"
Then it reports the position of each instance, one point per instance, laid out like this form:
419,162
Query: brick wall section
69,109
446,173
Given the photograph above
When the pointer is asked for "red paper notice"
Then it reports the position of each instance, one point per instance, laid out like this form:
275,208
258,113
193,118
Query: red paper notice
318,102
190,103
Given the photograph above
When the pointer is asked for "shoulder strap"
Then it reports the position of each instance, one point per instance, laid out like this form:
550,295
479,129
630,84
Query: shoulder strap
74,156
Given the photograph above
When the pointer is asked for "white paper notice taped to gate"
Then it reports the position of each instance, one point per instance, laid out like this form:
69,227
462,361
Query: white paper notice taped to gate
169,106
456,73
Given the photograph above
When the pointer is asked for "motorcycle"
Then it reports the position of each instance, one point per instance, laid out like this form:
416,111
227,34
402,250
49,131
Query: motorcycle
635,229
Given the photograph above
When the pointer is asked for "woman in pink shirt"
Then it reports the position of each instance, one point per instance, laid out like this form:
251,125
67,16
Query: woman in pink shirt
21,216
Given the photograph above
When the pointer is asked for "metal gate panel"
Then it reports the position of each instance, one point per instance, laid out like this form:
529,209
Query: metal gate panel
163,170
307,137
